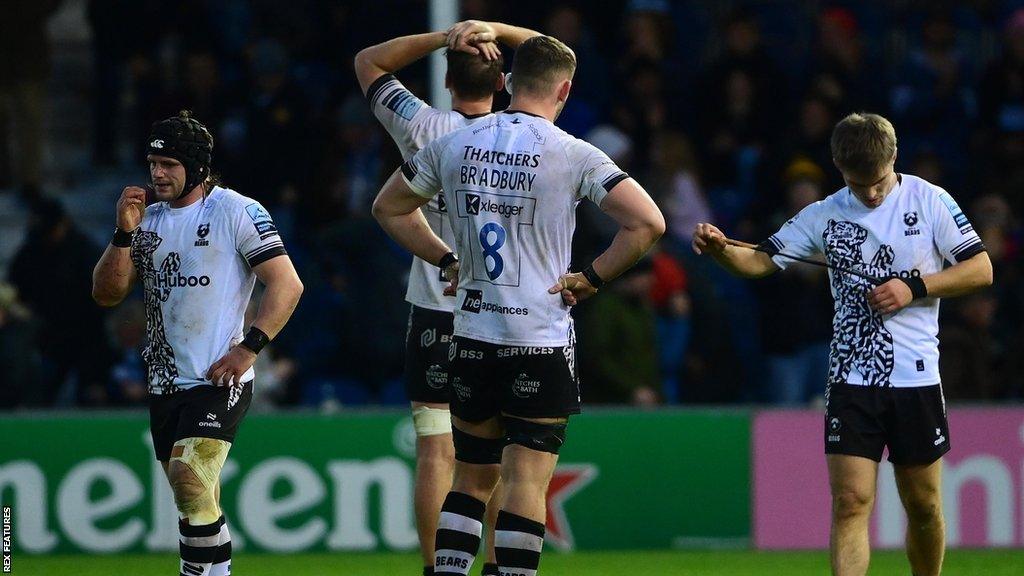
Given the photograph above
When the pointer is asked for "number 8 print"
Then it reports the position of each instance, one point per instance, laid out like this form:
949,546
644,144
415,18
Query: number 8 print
490,249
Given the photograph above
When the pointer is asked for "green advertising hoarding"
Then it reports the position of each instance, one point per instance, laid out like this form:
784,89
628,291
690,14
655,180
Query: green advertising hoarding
304,482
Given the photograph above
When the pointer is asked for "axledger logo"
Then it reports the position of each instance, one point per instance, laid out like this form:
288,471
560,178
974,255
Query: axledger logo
475,205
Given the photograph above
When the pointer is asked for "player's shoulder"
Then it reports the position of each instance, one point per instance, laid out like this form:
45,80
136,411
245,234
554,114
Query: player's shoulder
231,204
922,190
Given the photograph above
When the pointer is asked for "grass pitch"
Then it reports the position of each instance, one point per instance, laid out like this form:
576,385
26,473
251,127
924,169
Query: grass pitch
668,563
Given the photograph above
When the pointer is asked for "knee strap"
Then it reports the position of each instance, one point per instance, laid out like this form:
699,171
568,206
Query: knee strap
534,435
431,421
475,450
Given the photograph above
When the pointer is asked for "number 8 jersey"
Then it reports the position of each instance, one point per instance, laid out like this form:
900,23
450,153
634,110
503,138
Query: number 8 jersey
511,185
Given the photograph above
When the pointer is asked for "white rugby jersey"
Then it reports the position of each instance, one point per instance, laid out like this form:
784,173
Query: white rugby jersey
915,230
511,184
196,264
413,124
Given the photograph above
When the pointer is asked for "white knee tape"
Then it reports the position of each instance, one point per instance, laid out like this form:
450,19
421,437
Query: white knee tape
431,421
205,456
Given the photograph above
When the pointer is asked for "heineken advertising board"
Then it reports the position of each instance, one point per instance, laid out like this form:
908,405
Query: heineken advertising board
344,482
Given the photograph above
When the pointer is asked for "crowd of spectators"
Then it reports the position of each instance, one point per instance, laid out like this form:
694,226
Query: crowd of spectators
721,110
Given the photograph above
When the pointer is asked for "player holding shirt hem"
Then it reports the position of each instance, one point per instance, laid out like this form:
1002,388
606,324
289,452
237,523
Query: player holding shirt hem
883,387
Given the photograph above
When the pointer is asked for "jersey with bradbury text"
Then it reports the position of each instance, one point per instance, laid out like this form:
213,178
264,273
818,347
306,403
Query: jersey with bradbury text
913,232
195,264
511,184
413,124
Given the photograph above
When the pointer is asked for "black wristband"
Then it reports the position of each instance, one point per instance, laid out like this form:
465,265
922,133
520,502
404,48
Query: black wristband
447,260
255,339
917,286
122,239
592,277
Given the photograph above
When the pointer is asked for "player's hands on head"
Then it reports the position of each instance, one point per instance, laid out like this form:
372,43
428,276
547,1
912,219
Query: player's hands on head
474,37
891,297
130,207
574,288
452,274
231,367
707,239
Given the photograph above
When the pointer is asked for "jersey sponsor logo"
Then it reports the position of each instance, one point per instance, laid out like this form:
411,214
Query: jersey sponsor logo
260,218
474,303
201,234
958,215
428,337
436,376
475,205
461,390
524,387
513,351
180,281
402,103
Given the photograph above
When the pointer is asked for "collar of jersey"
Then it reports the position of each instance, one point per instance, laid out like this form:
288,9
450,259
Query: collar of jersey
511,111
470,116
193,206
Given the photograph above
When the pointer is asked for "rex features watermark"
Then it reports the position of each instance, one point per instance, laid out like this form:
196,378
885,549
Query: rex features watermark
7,540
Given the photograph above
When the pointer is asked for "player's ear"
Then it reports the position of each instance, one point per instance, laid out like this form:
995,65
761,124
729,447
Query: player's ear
447,81
563,90
499,83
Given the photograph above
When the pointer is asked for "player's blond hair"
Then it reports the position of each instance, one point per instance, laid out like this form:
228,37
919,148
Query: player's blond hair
539,63
863,143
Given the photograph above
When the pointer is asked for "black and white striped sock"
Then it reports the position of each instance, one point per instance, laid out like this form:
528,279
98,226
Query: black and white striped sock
198,547
517,544
222,559
458,534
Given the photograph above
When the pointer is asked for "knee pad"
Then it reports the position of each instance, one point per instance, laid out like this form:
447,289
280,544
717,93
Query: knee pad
475,450
431,421
204,457
534,435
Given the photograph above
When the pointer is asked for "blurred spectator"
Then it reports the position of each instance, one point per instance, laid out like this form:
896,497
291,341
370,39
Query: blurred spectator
674,183
1000,146
672,309
967,351
842,71
618,352
127,327
52,270
795,306
24,70
19,361
932,100
590,89
124,57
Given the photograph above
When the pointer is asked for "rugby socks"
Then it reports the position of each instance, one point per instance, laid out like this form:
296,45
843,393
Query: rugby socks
198,547
490,570
517,544
222,559
458,534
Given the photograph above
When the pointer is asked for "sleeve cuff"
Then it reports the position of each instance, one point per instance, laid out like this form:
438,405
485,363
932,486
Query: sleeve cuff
409,173
970,251
259,257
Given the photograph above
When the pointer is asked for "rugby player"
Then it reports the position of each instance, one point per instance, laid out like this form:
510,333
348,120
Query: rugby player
883,387
198,249
511,184
474,75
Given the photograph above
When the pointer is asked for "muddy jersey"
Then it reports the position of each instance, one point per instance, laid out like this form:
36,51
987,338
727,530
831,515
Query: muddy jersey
916,229
195,265
413,124
511,184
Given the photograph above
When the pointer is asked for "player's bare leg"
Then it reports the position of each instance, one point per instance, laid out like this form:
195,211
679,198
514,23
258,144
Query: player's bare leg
852,481
526,468
194,475
920,490
493,507
435,459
